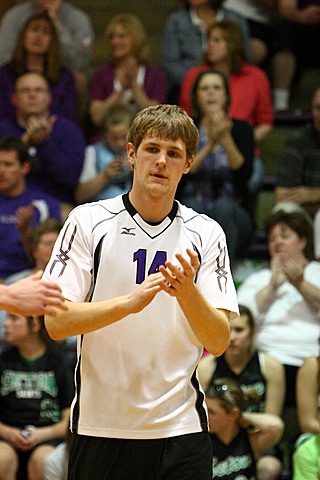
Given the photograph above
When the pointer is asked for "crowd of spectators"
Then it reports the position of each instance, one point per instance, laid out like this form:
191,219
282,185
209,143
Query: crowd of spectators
231,65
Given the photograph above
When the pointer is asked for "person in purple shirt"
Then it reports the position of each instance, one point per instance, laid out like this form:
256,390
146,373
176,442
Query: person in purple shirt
55,143
18,202
38,49
127,77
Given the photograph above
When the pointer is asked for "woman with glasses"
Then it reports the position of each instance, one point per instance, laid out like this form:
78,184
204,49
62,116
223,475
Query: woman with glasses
238,438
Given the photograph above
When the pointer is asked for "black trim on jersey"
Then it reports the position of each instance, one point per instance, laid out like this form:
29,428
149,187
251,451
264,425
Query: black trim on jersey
63,257
76,409
132,211
199,403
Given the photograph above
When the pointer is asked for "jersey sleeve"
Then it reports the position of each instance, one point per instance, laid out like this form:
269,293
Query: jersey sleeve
215,279
71,263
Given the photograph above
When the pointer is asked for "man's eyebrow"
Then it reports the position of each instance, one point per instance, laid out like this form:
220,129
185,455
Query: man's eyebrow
157,144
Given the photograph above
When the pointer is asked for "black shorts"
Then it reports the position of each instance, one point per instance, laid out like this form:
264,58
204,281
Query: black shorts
187,457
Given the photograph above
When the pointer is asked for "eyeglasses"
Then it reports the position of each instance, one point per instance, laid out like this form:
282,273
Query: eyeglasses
221,391
26,90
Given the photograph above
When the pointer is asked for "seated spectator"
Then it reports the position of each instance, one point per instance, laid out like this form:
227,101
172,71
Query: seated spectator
73,26
106,172
271,46
35,396
298,178
127,77
185,38
250,90
303,17
285,298
38,49
260,376
306,459
239,437
217,182
14,195
55,143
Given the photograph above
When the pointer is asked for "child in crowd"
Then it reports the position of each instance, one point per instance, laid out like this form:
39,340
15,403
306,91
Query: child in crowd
106,172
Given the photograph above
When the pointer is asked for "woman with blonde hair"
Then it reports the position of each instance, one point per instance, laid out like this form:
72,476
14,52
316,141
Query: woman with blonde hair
127,77
38,49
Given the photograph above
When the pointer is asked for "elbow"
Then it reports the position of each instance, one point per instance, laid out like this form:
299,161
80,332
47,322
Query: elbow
52,328
220,345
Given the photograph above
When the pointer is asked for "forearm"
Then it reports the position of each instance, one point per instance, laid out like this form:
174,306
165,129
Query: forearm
310,293
98,108
261,132
86,317
200,156
235,157
268,430
265,297
56,430
210,325
85,191
141,98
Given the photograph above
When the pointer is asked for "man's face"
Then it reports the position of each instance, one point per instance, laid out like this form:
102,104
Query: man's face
116,137
12,173
158,165
316,110
31,95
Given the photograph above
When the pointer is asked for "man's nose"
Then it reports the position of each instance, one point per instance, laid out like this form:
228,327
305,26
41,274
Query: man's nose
162,157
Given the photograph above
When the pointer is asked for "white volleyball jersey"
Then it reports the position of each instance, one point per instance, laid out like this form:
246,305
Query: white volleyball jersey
136,378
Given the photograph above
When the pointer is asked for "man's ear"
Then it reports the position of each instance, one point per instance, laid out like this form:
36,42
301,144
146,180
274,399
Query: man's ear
188,164
131,153
26,167
14,99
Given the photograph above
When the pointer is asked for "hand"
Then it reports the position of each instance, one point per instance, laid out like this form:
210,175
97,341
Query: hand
23,217
278,276
145,293
218,124
113,168
15,438
51,7
38,129
34,296
179,279
293,270
127,72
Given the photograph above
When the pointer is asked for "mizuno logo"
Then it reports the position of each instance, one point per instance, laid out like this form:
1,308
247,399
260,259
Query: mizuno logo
127,231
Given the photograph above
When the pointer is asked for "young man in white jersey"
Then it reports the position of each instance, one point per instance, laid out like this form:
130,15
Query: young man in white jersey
148,286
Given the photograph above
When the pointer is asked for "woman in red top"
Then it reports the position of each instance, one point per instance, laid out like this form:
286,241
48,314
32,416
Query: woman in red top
250,90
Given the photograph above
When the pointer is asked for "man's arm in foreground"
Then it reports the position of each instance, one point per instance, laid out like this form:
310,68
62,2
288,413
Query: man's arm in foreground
210,325
86,317
32,296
